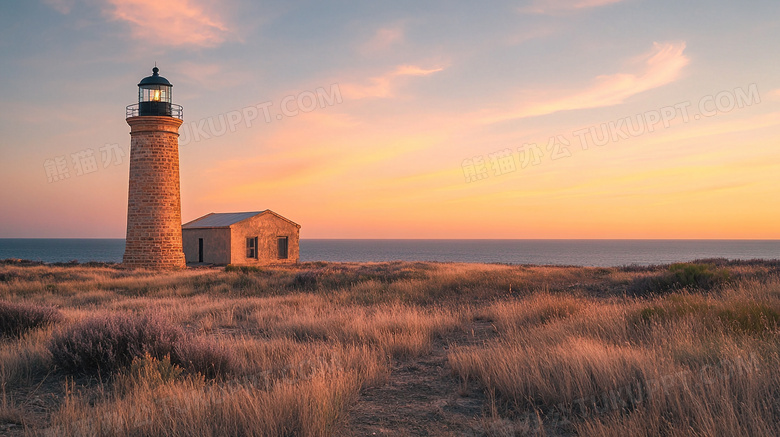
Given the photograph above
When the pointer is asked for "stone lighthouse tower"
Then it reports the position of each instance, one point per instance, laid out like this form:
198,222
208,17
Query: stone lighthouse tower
153,203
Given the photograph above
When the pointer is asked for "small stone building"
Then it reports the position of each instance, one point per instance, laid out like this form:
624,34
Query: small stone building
241,238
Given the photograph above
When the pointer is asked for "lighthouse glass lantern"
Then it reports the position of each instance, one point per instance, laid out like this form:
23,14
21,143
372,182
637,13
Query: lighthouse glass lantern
154,95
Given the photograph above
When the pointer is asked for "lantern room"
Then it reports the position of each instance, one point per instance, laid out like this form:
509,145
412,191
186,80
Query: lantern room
154,98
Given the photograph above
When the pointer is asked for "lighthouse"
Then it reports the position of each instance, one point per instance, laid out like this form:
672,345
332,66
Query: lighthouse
153,202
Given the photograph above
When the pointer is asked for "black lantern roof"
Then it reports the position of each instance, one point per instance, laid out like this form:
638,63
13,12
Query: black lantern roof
154,79
154,98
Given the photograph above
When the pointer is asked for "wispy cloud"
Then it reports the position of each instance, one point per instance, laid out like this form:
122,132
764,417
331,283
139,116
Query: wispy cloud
171,23
528,34
556,6
383,39
383,86
211,76
662,65
62,6
716,127
328,164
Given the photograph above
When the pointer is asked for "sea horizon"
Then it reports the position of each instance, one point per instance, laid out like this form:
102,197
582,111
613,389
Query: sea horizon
579,252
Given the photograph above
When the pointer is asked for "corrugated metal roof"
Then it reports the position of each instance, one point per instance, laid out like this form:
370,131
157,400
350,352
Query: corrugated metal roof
220,220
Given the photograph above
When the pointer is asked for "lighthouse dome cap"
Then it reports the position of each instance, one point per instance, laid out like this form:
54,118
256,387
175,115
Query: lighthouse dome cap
154,79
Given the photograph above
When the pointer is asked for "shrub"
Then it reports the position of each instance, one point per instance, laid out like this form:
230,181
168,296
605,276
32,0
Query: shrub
335,275
307,280
750,317
244,269
201,355
676,306
105,344
679,276
704,276
154,372
16,319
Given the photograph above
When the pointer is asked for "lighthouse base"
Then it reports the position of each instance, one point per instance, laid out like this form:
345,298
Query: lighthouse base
154,205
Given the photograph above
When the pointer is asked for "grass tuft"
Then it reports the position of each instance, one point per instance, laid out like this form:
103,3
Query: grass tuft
18,318
205,356
750,317
680,276
104,344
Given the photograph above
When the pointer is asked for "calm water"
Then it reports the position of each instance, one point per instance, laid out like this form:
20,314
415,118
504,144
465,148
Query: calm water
562,252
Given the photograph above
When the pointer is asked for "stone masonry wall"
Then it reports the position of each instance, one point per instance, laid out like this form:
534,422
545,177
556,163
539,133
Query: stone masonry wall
154,238
267,228
216,245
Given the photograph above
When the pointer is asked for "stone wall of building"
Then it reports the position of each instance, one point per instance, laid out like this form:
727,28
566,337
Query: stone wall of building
216,245
267,228
154,238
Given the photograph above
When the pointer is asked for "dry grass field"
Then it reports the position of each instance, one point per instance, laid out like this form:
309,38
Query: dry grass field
327,349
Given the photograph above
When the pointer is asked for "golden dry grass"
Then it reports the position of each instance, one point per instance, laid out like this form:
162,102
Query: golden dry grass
572,350
685,363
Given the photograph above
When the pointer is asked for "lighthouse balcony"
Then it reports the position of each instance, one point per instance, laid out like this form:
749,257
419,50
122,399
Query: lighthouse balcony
156,109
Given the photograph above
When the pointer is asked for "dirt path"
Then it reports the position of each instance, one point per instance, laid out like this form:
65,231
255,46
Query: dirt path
422,397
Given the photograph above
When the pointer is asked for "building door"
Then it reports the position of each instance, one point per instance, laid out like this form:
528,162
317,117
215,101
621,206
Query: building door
200,250
281,246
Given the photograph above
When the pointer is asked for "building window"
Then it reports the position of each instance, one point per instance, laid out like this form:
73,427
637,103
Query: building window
251,247
281,246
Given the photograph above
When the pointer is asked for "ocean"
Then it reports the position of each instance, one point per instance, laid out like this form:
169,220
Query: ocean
599,253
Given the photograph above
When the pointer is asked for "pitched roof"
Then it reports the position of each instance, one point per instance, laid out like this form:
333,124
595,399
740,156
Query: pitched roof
226,219
220,220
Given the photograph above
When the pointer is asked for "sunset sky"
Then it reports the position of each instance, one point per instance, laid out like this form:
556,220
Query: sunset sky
434,119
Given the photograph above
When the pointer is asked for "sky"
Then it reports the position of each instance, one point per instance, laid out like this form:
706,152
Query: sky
403,119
